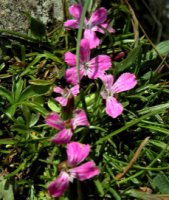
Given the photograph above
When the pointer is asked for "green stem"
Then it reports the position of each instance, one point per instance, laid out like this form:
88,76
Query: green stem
79,192
79,36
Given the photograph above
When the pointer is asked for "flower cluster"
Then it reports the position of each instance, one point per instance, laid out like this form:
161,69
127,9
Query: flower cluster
71,169
66,127
93,68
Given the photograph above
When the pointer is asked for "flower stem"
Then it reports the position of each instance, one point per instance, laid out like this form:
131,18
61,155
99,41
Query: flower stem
79,36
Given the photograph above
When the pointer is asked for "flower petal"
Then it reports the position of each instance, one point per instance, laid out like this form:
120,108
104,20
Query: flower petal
98,17
108,28
62,137
125,82
77,152
70,59
94,41
62,100
102,27
84,50
113,107
58,90
54,120
71,23
107,81
85,171
76,10
57,187
97,29
75,90
71,75
98,66
79,119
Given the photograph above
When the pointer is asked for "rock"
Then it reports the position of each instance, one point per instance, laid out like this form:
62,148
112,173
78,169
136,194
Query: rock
12,13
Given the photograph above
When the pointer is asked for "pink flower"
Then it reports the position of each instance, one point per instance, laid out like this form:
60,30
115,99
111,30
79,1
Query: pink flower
93,68
96,23
66,127
59,185
66,94
125,82
76,153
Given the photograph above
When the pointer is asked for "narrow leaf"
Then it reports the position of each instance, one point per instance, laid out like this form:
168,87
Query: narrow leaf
161,182
132,59
6,93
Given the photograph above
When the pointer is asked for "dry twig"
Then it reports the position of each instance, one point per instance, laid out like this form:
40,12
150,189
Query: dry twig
133,160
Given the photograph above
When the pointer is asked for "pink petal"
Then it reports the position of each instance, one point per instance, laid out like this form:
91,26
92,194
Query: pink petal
85,171
54,120
79,118
62,100
98,17
102,28
77,152
71,23
71,76
58,90
104,94
98,66
92,38
70,59
62,137
113,107
57,187
109,29
97,29
84,50
76,10
125,82
75,90
107,81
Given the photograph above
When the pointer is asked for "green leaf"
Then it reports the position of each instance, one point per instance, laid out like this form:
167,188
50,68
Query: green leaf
41,82
6,93
159,144
6,189
28,68
27,115
10,111
156,108
132,59
53,106
5,76
2,66
36,106
145,196
18,86
37,28
20,128
155,128
99,187
8,141
53,57
33,91
34,119
115,194
162,48
161,182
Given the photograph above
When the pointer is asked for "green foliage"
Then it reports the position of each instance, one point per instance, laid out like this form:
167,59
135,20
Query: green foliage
31,65
37,28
